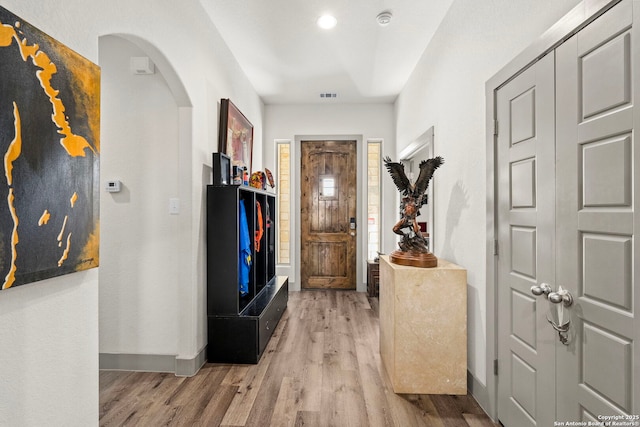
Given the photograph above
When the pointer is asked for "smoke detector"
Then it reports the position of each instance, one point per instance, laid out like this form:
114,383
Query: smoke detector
384,18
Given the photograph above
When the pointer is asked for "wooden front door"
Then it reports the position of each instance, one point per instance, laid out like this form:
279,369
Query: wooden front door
328,214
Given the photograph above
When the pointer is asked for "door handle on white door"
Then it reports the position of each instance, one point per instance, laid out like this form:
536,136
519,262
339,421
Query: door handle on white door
562,296
544,288
559,322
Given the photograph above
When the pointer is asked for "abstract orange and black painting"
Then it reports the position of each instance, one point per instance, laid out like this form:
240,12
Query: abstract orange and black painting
49,142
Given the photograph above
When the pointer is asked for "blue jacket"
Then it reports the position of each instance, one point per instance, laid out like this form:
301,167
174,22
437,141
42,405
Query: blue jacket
244,259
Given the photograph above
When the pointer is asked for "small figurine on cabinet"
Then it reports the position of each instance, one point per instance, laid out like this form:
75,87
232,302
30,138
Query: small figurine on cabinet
261,179
414,249
258,180
270,179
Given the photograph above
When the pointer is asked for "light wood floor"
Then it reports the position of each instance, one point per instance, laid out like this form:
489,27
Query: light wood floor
321,368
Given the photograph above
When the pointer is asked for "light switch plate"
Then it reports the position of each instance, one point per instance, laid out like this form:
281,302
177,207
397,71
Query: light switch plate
174,206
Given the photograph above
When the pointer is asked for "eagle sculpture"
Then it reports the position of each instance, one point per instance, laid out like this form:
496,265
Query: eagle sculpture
413,198
416,190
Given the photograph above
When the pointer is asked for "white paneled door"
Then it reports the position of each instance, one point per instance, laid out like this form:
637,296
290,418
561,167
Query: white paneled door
567,191
526,189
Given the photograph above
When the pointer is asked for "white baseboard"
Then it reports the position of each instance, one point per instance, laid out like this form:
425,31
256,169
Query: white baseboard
480,393
153,363
190,367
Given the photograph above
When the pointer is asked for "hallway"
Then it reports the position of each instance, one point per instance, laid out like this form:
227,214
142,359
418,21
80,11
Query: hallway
321,368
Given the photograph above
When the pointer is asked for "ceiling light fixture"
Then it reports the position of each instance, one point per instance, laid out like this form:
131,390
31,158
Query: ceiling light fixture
327,22
384,18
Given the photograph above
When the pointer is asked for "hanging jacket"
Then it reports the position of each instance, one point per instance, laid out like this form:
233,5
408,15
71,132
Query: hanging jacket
271,235
244,259
260,230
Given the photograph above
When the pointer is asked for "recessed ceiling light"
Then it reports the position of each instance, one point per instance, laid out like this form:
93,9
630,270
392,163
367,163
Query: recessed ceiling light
327,22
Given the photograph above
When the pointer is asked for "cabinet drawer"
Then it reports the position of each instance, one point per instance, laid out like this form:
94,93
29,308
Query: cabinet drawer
271,316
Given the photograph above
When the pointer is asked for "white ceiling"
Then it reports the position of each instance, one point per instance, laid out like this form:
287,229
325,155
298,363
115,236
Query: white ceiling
289,60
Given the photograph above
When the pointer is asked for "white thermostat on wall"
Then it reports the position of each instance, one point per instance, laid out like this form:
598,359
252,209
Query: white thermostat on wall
113,186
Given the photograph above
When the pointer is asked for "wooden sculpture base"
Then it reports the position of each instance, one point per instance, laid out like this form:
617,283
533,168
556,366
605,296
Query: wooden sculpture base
414,259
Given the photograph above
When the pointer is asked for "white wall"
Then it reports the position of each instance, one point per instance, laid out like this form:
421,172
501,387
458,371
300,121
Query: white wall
370,121
446,90
49,350
139,147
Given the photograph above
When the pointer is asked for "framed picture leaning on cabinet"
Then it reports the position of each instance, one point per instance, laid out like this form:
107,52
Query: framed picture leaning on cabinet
235,136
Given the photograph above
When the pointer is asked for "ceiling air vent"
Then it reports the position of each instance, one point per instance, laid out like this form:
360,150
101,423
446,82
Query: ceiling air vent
328,95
